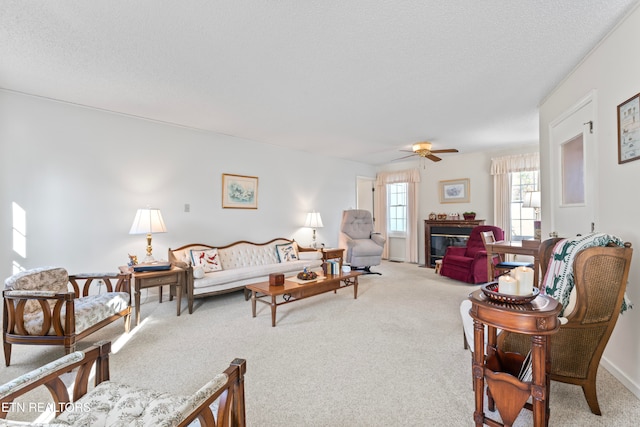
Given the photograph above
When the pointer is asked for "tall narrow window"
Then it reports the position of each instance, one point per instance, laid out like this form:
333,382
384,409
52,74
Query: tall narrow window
522,217
397,209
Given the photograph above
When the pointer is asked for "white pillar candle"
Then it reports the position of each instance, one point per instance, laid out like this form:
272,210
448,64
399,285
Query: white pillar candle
507,285
525,280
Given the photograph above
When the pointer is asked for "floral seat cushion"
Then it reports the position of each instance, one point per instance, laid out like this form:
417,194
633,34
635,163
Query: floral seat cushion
113,404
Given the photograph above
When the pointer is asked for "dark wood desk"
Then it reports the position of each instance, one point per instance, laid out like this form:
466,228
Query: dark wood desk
503,247
539,319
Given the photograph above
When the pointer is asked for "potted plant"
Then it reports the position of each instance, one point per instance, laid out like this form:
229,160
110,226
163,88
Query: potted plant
469,216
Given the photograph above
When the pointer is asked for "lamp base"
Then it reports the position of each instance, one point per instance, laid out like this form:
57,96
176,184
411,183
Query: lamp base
537,230
149,259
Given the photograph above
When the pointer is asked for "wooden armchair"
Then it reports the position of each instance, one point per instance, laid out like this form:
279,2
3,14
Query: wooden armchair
600,275
36,303
220,402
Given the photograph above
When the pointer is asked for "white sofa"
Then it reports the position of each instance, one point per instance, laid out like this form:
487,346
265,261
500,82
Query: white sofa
233,266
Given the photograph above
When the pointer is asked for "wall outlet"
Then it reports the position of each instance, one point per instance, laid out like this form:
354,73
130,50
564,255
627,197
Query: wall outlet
187,207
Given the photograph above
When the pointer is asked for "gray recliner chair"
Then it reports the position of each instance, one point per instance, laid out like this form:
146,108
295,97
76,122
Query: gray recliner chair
363,247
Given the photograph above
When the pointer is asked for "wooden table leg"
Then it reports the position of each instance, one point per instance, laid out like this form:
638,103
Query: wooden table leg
137,296
253,303
538,386
355,287
273,310
478,372
179,299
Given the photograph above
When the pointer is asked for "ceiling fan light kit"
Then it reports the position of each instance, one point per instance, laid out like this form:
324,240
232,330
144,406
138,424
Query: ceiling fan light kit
422,148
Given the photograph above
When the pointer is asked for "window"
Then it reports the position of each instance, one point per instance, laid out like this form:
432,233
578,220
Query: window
397,209
522,217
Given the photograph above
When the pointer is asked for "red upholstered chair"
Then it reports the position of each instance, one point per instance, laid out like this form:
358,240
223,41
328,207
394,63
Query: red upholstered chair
469,264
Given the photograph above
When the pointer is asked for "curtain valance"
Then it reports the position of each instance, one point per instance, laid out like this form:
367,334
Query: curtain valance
409,175
518,163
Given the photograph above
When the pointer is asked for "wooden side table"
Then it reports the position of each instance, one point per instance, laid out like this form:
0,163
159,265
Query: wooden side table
333,253
539,319
175,278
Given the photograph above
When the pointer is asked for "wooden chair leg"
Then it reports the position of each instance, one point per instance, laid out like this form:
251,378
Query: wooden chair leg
7,354
590,394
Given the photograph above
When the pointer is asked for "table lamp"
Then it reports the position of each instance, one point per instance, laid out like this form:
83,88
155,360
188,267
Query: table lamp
313,221
532,200
148,221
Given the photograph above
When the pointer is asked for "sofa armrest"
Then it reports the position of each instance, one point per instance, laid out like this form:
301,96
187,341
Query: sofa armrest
378,239
49,376
16,309
226,391
36,295
480,255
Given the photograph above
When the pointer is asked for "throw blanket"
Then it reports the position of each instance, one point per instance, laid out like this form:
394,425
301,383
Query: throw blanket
559,279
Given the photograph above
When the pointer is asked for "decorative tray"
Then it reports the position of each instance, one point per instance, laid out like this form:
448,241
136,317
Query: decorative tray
491,291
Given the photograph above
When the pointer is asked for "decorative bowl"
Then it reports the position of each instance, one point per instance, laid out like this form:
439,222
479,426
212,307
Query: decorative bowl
491,291
310,275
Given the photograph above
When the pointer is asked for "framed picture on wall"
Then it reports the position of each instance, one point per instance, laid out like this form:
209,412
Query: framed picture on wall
239,191
629,130
454,191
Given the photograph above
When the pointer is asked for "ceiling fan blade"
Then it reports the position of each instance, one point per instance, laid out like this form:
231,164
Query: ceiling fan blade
446,150
434,158
400,158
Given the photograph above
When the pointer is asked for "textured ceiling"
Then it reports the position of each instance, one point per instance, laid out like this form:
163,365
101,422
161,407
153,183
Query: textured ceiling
360,79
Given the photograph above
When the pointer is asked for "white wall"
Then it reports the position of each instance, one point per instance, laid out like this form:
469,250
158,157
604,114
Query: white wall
475,166
80,174
613,71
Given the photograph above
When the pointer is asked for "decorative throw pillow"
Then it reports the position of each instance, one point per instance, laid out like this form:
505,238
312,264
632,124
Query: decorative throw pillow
208,259
198,272
287,252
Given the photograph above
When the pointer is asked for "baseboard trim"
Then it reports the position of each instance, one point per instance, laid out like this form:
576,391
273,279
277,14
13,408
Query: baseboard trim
620,376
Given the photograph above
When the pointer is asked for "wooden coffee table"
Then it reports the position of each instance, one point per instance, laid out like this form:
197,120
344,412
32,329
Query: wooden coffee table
292,291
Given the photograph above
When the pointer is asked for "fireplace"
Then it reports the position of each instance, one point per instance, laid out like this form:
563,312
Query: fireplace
439,235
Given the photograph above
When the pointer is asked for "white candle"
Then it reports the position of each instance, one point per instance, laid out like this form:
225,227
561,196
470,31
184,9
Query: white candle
525,280
507,285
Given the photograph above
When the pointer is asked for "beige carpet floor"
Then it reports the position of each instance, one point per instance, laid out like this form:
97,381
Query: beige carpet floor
393,357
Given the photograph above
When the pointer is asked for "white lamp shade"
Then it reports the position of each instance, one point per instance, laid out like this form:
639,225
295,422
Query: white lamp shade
148,221
531,199
313,220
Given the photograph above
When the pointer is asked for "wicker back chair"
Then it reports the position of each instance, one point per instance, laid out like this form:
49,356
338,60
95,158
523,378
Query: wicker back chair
600,281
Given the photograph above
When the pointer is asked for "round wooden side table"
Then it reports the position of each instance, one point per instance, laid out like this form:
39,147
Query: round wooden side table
539,319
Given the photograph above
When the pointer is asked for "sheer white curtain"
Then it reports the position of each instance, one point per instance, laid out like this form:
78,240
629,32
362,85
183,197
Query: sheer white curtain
412,178
501,169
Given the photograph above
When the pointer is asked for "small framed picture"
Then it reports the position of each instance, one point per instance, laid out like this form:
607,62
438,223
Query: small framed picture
629,130
455,191
239,191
